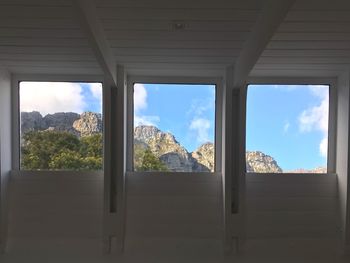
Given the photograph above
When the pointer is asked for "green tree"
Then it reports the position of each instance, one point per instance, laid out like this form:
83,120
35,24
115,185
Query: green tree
91,149
66,160
40,147
54,150
92,163
92,145
145,160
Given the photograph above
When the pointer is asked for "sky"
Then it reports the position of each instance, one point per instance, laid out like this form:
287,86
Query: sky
51,97
186,111
287,122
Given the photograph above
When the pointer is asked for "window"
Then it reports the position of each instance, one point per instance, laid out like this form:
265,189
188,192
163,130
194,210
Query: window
60,125
287,128
174,127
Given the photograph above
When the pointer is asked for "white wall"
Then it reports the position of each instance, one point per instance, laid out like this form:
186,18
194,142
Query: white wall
55,212
5,141
342,163
291,206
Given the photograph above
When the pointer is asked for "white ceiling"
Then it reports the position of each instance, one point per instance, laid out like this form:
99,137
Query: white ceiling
44,36
314,39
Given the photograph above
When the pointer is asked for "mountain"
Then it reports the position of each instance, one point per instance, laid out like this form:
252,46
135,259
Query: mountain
84,124
258,162
89,123
317,170
164,146
205,155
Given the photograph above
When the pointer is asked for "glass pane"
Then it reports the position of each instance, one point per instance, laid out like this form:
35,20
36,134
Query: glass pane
61,125
174,127
287,128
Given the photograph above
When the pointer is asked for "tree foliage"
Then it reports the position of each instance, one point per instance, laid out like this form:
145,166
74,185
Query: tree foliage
56,150
145,160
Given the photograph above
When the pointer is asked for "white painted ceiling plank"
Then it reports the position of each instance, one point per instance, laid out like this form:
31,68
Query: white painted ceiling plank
178,14
35,11
240,4
38,23
315,27
194,52
166,25
90,24
48,57
37,3
175,59
37,33
37,50
312,36
175,35
318,53
321,5
309,45
43,42
318,16
268,22
175,44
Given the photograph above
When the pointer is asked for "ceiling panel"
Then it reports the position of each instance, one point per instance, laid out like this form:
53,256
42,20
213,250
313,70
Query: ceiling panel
315,37
143,32
43,36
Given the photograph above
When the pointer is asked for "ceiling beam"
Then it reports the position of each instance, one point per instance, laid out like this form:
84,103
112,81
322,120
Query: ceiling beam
271,16
86,11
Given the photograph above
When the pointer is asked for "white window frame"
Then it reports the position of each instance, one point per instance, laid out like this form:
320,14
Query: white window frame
218,82
16,152
332,118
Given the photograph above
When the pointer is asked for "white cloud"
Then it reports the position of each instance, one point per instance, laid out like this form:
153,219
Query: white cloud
140,97
199,107
96,90
51,97
140,103
324,147
286,126
201,126
146,120
316,118
321,91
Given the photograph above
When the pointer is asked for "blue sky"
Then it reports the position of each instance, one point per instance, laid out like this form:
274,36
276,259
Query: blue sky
186,111
289,123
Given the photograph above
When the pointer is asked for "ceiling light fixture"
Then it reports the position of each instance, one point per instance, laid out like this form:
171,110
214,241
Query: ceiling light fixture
178,25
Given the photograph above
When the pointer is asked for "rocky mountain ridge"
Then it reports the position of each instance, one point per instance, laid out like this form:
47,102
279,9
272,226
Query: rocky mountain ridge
84,124
258,162
162,144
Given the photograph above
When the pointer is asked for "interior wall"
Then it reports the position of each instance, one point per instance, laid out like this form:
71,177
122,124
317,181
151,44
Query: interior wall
5,145
342,162
173,206
55,212
292,206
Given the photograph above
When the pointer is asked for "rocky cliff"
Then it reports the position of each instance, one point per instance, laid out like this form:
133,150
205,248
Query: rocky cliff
88,123
258,162
317,170
84,124
205,155
162,144
167,149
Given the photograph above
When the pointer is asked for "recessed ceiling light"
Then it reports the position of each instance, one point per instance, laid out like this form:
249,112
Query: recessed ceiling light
178,25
